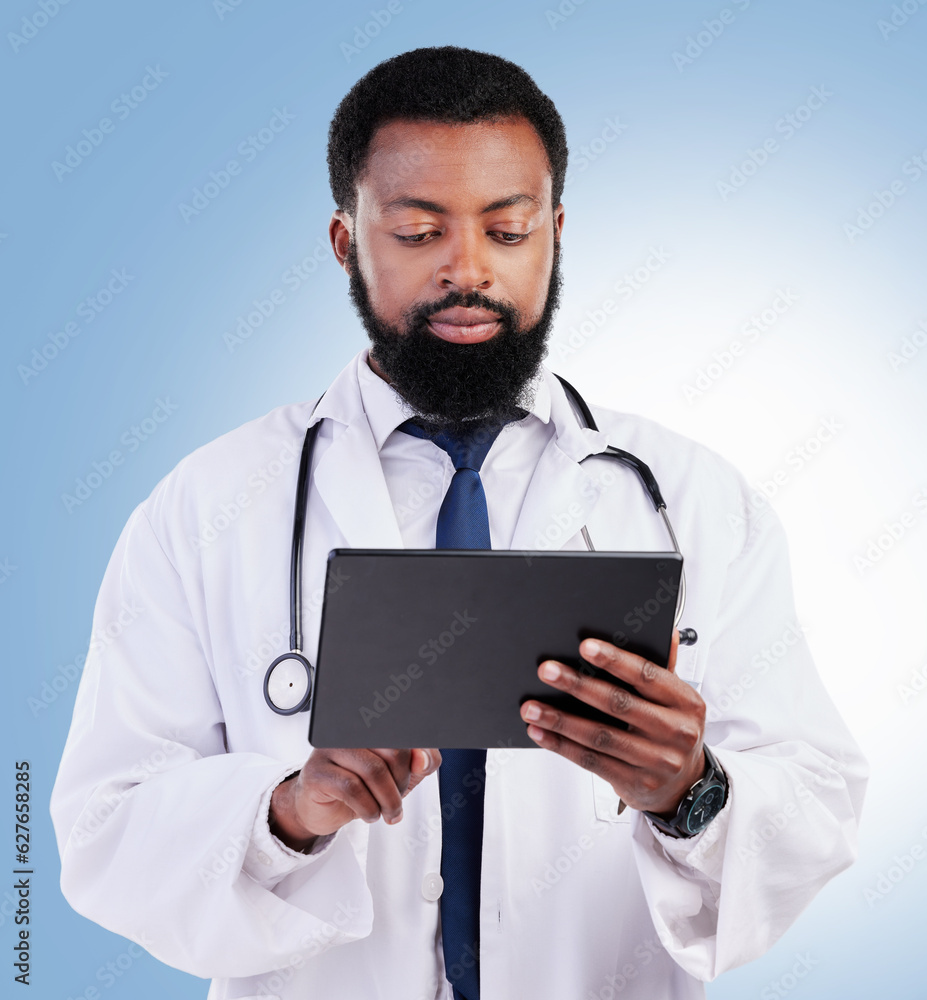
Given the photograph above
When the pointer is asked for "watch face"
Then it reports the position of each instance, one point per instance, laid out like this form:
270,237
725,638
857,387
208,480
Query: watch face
706,806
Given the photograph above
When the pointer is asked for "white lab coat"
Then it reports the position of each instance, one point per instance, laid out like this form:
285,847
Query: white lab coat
161,801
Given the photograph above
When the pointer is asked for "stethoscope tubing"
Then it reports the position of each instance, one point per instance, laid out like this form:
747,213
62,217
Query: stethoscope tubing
299,534
650,484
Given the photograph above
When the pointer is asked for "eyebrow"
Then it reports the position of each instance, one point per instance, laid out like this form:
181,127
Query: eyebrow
432,206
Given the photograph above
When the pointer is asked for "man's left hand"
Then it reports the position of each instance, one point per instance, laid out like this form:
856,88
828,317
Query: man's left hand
657,759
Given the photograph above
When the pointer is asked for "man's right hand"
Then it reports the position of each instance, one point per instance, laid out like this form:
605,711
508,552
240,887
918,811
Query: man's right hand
336,786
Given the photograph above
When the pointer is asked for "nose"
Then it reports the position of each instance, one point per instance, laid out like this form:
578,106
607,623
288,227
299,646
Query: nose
465,263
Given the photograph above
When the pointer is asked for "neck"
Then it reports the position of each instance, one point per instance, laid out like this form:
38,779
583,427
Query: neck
376,369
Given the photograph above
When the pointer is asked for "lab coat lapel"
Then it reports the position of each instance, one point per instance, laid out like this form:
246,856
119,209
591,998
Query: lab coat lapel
557,504
562,494
349,478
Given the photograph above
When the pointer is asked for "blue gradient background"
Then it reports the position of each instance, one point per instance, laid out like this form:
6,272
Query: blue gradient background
827,357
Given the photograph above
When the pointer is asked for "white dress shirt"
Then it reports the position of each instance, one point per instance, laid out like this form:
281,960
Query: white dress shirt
418,472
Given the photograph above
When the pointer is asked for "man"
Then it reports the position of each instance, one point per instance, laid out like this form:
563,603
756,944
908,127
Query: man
195,821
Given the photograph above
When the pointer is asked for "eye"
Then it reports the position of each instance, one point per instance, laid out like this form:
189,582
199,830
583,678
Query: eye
510,239
415,238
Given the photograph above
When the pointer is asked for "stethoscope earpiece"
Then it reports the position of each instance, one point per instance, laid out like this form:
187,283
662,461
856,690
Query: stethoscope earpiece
288,684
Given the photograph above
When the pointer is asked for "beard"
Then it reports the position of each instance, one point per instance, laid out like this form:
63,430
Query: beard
452,387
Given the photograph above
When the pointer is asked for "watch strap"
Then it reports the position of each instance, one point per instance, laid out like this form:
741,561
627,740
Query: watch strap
714,780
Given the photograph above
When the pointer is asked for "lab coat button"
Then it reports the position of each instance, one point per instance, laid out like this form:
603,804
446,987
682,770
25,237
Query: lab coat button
264,858
432,886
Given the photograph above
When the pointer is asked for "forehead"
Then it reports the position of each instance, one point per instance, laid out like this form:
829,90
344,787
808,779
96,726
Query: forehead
440,162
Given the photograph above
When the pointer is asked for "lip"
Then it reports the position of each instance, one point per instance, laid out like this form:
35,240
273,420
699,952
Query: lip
464,325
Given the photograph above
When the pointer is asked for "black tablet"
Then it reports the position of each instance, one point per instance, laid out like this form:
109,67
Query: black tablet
439,648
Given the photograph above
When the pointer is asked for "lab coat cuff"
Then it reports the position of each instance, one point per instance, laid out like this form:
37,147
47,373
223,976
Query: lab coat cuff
703,853
267,859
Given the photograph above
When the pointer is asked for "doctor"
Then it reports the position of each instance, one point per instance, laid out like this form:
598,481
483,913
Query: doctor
201,825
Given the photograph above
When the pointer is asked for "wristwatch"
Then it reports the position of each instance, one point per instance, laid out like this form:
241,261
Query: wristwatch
704,800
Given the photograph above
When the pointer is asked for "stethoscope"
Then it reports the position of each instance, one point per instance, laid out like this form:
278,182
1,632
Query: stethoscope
288,681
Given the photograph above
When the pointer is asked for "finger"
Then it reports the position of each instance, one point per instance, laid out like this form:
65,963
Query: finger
332,784
618,773
674,649
612,699
620,744
663,759
368,773
399,763
651,681
424,762
641,788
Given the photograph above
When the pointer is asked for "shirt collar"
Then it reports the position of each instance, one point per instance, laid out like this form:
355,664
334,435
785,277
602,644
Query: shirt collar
385,409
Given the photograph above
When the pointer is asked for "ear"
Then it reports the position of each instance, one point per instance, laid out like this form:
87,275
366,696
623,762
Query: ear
339,233
558,221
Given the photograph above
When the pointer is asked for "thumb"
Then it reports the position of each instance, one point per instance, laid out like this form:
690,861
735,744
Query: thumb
422,763
674,649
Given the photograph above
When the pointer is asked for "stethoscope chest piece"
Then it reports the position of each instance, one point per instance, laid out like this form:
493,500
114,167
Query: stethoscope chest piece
288,684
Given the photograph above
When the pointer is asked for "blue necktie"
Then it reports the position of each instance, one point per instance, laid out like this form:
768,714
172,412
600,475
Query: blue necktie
463,523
